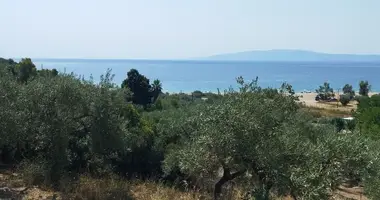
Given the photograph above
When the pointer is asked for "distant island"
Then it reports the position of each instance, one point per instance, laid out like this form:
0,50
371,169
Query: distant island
293,56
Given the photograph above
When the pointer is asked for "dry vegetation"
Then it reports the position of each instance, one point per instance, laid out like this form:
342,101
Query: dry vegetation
326,109
327,112
114,188
99,189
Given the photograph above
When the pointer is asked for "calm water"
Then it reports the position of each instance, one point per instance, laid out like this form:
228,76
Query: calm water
187,76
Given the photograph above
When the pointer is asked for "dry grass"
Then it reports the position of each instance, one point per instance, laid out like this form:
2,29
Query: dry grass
327,112
337,105
154,191
111,188
97,189
329,109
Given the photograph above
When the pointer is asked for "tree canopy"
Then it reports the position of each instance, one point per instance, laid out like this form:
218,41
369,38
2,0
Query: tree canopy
347,90
268,140
139,86
325,91
364,88
156,89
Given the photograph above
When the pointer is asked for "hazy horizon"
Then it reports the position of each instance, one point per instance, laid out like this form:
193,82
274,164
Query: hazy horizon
169,29
210,57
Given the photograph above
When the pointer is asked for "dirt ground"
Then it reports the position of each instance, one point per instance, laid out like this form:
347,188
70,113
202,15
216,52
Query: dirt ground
355,193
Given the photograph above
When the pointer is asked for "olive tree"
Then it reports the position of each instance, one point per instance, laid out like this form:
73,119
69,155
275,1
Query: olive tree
268,141
10,116
364,88
344,99
72,124
325,91
347,90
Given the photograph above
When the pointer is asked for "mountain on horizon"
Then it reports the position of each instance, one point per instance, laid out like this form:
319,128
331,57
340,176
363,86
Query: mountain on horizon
292,55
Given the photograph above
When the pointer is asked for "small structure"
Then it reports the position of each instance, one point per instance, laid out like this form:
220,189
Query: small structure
348,118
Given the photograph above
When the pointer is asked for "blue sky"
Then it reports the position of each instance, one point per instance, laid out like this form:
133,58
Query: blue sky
172,29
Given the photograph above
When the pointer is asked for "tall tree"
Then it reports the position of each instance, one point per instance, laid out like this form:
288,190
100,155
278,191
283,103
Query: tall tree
325,91
347,90
26,69
156,89
364,88
139,86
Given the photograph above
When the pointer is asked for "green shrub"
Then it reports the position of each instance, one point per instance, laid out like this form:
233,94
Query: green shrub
351,125
325,92
339,123
270,92
347,90
345,99
34,173
197,94
361,99
364,88
367,116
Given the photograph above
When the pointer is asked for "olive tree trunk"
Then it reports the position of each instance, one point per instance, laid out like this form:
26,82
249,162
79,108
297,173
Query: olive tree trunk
227,176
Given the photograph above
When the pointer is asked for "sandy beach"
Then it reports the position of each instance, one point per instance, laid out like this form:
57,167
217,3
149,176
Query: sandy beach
309,100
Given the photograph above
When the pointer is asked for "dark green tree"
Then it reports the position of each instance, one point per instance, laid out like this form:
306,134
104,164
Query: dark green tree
339,124
367,116
156,89
7,61
267,142
347,89
364,88
345,99
197,94
325,91
139,85
25,69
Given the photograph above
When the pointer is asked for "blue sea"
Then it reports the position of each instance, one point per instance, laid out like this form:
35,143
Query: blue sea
187,76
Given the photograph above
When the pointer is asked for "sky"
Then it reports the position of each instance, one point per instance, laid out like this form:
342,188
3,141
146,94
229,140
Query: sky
180,29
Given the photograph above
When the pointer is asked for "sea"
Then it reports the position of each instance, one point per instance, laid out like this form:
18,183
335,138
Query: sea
189,75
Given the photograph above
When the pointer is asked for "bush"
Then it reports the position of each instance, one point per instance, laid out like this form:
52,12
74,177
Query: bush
339,124
347,90
367,116
33,173
345,99
364,88
270,92
74,126
99,189
360,99
197,94
325,92
351,125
